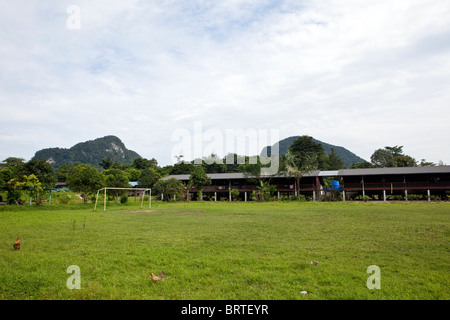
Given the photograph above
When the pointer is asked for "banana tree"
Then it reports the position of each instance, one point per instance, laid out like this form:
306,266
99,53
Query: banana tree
263,188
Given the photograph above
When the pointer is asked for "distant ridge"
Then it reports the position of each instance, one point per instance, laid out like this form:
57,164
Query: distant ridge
89,152
347,157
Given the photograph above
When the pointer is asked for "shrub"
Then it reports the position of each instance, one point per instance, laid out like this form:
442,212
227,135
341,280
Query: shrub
124,199
64,199
235,194
415,197
365,198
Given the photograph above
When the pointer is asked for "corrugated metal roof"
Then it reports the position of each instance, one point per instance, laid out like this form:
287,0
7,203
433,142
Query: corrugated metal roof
331,173
231,175
396,170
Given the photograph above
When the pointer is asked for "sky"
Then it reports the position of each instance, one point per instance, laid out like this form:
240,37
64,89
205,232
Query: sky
358,74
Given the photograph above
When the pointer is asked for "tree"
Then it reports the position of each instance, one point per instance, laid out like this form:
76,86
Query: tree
142,163
86,179
148,178
187,188
299,169
12,163
164,171
182,167
7,185
392,157
303,156
41,169
107,163
231,161
62,173
396,150
333,162
199,179
262,190
117,179
169,188
32,186
424,163
401,160
213,164
405,161
251,169
382,158
362,165
133,173
308,153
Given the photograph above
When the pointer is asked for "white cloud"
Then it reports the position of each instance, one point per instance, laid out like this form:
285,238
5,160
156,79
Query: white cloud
362,75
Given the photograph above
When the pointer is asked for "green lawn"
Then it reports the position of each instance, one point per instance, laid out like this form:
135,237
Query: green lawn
227,250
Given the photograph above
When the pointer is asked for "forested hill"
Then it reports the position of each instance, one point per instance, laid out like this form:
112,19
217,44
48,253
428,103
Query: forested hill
89,152
347,157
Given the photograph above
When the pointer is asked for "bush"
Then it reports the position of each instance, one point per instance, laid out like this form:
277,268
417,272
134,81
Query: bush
64,199
124,199
415,197
235,194
365,198
300,197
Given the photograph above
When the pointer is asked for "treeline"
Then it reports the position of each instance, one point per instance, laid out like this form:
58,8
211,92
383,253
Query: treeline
393,157
37,177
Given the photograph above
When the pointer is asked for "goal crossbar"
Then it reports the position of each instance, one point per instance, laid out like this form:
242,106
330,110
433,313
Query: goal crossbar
133,189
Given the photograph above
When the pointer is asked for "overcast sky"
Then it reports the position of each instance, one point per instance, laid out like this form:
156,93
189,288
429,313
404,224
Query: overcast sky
358,74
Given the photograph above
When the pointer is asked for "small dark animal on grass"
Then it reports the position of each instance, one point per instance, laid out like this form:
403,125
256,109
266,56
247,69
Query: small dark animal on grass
17,244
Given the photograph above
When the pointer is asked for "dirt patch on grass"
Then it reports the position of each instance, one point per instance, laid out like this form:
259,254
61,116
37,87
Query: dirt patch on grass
139,211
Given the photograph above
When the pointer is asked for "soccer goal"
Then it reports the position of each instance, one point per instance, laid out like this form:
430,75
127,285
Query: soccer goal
133,189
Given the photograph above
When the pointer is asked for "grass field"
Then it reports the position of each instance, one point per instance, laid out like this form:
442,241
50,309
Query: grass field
227,250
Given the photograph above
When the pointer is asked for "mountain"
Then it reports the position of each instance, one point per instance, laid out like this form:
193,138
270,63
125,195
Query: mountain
89,152
347,157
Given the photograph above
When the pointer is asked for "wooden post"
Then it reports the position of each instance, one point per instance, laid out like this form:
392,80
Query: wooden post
314,195
245,196
428,195
384,195
215,196
406,195
343,195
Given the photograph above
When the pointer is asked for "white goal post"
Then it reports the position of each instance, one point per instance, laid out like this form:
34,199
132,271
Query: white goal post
134,189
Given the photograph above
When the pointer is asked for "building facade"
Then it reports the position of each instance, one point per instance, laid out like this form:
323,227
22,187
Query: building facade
345,184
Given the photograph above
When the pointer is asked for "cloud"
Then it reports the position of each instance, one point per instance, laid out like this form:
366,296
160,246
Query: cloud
357,74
